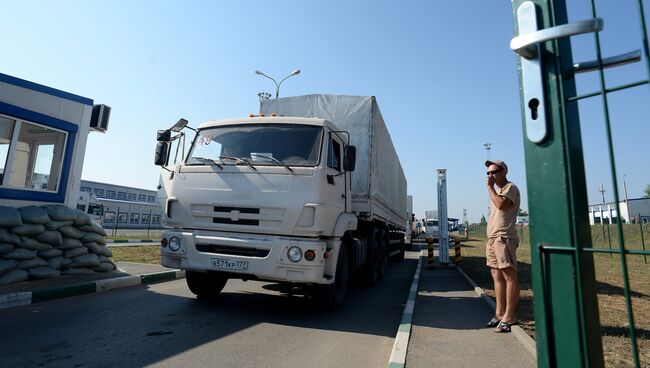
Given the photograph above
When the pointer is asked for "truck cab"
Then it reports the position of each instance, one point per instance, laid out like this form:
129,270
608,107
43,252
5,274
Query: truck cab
263,198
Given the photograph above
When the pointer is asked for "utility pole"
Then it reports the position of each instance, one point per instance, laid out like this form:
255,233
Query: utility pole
488,146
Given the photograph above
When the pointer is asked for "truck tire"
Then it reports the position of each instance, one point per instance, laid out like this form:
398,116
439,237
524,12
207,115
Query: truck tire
332,296
205,284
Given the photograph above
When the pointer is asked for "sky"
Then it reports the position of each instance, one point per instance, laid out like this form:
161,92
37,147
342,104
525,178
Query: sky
442,72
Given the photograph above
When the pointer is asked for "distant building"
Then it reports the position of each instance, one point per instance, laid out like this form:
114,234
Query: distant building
633,211
125,207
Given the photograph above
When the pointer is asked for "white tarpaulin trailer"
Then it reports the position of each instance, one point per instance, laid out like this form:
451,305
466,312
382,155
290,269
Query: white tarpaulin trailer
378,182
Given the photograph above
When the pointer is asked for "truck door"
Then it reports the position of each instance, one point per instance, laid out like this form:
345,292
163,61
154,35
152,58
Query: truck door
336,182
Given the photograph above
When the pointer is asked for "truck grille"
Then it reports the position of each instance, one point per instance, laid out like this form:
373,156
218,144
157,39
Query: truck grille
233,251
269,217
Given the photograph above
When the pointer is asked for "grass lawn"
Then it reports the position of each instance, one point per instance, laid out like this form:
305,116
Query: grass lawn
140,254
611,302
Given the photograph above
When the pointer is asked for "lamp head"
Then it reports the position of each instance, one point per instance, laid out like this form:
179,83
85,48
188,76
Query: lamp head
295,72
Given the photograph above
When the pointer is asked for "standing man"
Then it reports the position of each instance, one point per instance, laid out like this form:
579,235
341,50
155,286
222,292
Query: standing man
502,243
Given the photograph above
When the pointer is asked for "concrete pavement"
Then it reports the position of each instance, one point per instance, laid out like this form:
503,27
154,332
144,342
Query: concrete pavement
448,330
442,325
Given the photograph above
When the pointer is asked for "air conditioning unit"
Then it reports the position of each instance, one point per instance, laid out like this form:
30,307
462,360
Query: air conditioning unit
99,118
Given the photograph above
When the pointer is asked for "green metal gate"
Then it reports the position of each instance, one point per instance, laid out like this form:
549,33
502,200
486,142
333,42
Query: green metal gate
567,324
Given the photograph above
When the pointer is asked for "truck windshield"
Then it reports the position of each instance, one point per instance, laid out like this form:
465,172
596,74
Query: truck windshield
258,144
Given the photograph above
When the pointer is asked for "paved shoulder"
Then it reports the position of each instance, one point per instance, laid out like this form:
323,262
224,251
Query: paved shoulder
448,327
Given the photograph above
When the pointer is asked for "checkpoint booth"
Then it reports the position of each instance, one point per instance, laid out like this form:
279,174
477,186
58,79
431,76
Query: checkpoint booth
43,134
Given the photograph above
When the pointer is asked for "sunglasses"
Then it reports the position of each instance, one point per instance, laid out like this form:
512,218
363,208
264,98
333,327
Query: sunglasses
493,171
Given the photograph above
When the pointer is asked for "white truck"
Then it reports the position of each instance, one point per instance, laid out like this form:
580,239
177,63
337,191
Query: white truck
308,193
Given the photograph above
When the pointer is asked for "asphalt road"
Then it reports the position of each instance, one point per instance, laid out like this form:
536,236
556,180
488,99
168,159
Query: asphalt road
251,324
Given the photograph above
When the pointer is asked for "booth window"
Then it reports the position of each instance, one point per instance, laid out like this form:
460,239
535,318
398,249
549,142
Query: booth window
6,132
30,155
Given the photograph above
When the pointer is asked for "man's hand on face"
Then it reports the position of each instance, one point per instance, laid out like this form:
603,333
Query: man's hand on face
490,181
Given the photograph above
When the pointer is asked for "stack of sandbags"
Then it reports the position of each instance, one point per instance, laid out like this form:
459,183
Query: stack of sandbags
40,242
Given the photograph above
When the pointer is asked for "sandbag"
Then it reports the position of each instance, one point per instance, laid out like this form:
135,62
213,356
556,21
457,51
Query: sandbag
33,244
40,273
99,249
69,243
55,225
78,271
5,248
51,237
7,265
71,232
58,263
86,260
8,237
104,267
59,212
28,229
50,253
82,218
93,237
10,217
31,263
20,254
74,252
13,277
93,227
34,215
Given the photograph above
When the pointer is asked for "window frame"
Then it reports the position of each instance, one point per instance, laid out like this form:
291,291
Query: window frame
20,115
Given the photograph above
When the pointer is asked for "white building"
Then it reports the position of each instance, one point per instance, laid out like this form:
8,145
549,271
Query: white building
633,211
125,207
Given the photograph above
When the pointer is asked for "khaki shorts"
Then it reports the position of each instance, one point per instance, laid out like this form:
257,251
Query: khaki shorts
501,252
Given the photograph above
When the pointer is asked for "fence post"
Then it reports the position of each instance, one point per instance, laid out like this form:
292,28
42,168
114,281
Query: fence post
149,224
645,257
117,218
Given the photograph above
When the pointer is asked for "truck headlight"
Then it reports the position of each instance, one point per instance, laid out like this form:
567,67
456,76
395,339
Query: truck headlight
174,244
294,254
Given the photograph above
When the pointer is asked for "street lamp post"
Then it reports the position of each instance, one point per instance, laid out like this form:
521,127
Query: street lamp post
488,146
277,85
627,206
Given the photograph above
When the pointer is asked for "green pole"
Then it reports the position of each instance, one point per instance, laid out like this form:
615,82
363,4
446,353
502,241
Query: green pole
645,257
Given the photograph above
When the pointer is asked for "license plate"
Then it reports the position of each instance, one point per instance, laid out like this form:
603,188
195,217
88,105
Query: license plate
226,264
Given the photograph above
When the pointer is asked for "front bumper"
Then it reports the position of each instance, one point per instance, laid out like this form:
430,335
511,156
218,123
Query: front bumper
265,256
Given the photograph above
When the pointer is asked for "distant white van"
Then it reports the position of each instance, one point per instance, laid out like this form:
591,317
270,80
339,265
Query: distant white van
431,226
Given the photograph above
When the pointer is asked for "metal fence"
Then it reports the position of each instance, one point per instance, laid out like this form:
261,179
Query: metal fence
565,249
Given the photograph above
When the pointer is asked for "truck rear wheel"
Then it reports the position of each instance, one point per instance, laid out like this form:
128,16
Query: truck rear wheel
332,295
205,284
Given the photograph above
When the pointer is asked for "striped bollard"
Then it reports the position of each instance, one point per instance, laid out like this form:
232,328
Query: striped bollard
429,252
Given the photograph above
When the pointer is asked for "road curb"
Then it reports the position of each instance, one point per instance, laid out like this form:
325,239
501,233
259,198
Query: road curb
517,331
400,347
32,297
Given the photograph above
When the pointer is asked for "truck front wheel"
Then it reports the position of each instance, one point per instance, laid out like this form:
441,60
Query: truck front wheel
332,295
205,284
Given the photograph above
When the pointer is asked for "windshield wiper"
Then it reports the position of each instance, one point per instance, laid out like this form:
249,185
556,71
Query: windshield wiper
239,160
274,160
208,160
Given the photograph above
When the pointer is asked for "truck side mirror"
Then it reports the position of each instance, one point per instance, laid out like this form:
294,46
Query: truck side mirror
350,158
164,135
162,151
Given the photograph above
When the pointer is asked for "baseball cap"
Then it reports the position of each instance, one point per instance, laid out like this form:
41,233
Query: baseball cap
499,163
